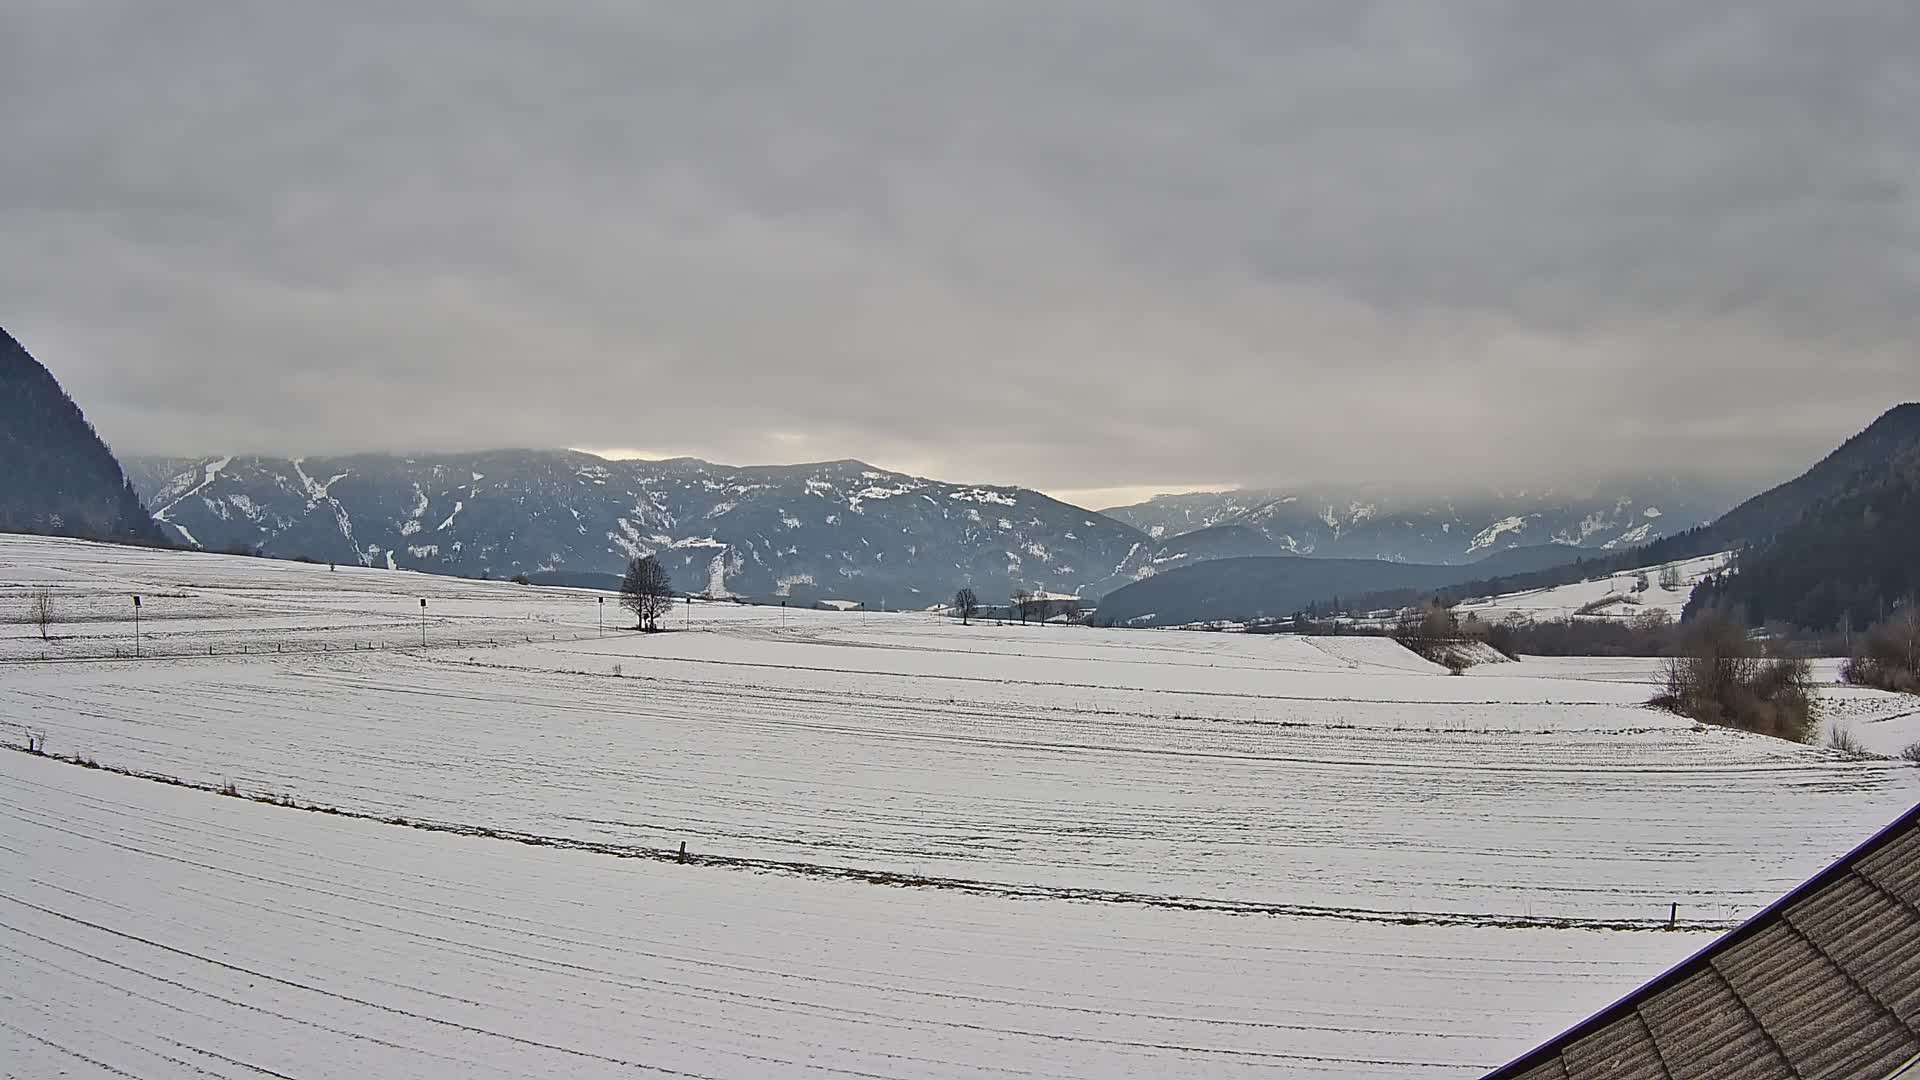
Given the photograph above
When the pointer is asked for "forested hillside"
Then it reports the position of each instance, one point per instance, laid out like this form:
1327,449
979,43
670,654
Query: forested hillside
1848,561
56,476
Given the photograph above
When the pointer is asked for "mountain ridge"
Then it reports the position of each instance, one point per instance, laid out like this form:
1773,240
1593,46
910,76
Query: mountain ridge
837,529
1364,522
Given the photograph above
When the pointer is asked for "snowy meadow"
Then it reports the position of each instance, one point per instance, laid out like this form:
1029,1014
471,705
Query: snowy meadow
913,848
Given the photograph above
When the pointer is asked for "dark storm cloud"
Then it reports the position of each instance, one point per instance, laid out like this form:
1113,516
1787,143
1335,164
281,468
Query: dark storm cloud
1074,245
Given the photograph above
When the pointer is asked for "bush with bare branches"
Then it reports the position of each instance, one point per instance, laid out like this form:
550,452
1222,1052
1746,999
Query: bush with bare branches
1888,654
1719,677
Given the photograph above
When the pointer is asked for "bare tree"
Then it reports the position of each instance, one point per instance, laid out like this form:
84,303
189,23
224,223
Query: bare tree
646,591
966,605
1670,577
40,611
1022,604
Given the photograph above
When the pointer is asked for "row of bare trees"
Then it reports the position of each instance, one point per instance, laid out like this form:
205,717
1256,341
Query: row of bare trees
1025,606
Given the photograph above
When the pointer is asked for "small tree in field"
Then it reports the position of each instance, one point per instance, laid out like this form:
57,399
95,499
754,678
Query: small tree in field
40,611
1670,577
966,605
646,591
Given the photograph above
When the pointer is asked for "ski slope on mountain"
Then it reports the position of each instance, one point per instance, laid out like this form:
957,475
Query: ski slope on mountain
1614,596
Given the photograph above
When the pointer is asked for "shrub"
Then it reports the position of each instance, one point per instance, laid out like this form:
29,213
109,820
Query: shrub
1888,654
1912,753
1845,741
1720,678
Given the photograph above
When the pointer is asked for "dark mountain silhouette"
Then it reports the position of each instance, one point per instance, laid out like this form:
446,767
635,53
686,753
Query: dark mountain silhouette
1260,587
1896,431
1848,560
56,476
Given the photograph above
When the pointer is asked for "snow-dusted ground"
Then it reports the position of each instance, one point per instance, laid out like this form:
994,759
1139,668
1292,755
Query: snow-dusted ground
163,932
1565,601
1881,723
1083,810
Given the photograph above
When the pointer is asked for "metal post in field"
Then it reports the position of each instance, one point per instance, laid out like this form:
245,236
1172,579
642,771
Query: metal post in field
136,626
423,622
603,616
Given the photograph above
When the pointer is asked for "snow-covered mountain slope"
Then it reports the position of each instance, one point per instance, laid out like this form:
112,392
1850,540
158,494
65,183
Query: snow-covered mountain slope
1616,596
1359,524
838,529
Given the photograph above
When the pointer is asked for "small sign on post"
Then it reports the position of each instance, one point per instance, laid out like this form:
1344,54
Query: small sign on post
136,626
423,622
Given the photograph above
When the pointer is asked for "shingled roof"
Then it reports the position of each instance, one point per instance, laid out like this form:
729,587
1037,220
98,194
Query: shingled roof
1824,983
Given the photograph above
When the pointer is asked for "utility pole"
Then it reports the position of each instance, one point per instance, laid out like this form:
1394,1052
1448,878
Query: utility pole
423,622
136,626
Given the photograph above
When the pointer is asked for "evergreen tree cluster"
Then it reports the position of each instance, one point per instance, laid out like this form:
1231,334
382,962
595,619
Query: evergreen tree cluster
56,476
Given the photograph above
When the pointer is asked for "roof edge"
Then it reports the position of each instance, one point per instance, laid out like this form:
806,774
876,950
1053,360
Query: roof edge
1546,1051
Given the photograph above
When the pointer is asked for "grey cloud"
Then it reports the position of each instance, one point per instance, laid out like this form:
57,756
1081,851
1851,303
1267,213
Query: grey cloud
1067,244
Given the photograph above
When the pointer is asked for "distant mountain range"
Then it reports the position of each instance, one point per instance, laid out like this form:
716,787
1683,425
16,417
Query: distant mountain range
841,530
1360,523
1836,541
56,476
847,530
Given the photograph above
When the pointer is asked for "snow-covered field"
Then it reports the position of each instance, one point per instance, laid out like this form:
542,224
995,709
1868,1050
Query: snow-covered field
919,849
1613,597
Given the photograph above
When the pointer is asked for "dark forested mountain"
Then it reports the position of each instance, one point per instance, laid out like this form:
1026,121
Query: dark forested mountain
1357,523
834,530
1896,432
56,476
1847,560
1267,587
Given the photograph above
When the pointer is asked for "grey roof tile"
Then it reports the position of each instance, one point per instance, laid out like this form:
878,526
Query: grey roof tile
1705,1033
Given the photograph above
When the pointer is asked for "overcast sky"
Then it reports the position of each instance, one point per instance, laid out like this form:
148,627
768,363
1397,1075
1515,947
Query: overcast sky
1078,245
